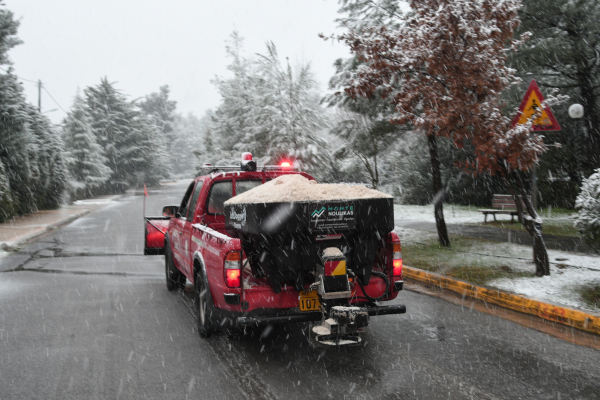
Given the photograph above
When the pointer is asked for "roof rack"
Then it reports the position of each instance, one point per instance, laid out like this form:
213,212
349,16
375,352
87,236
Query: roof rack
278,168
215,168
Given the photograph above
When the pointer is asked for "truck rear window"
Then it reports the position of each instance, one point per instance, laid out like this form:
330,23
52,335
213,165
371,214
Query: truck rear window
219,194
244,186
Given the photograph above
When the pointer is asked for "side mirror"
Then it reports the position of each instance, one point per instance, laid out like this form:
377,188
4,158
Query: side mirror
170,211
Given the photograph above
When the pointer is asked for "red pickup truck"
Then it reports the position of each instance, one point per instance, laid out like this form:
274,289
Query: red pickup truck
238,285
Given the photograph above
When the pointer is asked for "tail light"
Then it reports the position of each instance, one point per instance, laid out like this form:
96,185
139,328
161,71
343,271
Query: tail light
396,260
232,271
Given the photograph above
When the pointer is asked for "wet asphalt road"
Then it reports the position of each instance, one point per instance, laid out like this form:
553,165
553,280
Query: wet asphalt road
83,315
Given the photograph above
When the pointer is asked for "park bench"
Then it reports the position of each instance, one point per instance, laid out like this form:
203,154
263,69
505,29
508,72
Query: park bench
501,204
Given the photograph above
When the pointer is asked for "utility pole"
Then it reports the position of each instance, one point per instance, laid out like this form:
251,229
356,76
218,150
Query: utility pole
40,95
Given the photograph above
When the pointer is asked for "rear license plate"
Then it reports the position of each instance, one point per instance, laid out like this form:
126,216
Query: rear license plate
309,301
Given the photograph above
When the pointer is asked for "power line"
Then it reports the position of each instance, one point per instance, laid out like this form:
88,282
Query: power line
38,83
18,77
44,87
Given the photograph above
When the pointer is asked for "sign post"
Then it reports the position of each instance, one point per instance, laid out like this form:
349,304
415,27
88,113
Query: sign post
531,104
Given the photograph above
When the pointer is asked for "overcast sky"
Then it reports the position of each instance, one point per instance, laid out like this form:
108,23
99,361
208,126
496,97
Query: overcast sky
144,44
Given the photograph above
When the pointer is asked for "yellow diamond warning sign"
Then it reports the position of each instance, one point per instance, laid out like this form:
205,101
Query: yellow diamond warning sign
531,104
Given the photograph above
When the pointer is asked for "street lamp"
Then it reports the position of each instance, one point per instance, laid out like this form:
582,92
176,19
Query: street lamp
576,112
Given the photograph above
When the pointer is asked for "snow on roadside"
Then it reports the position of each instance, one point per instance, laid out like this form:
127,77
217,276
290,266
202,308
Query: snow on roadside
568,271
92,201
562,286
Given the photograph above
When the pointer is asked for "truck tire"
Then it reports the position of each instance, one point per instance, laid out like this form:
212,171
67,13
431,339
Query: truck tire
175,279
205,309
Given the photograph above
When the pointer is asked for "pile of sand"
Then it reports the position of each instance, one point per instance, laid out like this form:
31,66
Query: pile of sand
295,187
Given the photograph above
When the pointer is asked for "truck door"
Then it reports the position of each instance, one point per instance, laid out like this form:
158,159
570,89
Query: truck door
178,227
186,235
220,192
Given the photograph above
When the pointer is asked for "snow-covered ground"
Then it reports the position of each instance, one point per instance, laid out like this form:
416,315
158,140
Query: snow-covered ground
93,201
568,271
460,214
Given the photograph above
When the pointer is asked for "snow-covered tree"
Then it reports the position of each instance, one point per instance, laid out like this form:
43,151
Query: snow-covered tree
50,164
18,148
7,204
269,109
444,68
363,124
130,139
84,156
189,133
588,210
30,148
161,111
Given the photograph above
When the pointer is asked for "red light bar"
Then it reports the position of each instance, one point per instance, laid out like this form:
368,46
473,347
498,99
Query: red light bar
285,164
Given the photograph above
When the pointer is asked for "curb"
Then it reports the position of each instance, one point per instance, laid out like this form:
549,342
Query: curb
563,315
50,227
58,224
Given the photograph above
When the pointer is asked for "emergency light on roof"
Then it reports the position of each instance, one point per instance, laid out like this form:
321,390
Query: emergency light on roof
285,164
248,164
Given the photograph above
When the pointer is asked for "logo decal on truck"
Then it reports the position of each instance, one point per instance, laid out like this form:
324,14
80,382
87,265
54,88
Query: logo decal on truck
240,217
333,216
318,213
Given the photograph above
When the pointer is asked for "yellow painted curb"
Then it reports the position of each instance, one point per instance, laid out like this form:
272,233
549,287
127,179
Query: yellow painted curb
567,316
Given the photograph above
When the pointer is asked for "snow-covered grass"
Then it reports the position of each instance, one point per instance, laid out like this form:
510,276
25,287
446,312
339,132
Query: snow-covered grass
556,222
506,266
452,214
455,214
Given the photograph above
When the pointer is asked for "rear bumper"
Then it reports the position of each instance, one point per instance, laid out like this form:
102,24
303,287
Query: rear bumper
256,298
313,316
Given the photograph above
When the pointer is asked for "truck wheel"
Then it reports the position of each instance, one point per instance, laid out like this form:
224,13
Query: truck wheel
175,279
205,309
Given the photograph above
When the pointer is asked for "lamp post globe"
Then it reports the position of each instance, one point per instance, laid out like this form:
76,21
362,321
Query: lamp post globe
576,111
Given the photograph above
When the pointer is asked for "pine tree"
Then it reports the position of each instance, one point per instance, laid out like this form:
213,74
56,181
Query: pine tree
269,109
588,210
188,134
84,156
161,112
129,138
7,204
17,145
30,149
50,168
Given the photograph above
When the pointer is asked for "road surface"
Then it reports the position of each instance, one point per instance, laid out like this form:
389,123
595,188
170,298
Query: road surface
84,315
